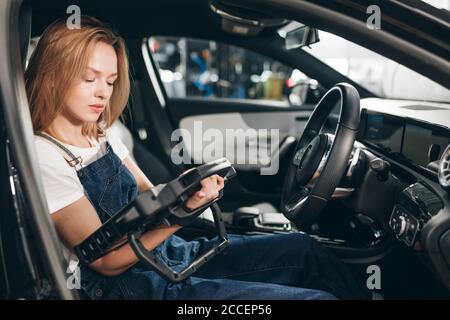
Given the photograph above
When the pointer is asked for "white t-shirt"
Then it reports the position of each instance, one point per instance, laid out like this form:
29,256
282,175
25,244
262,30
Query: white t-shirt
61,184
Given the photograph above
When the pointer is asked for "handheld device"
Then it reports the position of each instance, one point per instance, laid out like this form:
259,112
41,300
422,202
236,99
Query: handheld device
164,203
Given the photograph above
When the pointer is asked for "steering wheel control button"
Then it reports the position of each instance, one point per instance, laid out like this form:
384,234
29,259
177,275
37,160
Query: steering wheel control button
298,156
304,156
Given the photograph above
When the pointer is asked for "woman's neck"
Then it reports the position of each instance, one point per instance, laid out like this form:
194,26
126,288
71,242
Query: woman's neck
68,132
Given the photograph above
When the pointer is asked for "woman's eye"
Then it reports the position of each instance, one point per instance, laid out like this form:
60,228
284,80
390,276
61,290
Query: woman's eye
110,84
90,80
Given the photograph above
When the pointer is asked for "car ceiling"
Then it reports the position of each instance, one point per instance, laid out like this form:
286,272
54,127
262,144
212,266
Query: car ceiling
178,17
137,18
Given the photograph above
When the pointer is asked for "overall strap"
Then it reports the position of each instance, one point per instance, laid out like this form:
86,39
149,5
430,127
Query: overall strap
72,160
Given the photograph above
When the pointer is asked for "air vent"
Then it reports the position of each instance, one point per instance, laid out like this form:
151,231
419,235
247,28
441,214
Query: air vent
444,169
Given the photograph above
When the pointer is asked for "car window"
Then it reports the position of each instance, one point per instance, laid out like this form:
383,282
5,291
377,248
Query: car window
194,68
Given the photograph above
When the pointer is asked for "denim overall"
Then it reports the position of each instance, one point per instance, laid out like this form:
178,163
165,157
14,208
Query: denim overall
282,266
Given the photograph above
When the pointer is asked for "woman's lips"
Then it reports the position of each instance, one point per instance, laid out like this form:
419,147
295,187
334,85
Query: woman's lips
96,107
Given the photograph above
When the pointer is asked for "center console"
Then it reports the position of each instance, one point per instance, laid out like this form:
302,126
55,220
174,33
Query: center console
415,206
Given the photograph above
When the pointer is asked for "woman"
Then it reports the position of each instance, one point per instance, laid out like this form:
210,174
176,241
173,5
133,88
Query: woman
77,85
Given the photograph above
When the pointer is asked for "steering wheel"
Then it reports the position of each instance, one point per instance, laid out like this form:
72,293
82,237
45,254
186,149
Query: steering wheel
320,160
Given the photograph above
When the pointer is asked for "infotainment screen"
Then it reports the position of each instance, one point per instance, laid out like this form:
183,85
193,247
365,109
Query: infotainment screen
423,145
416,144
406,139
384,132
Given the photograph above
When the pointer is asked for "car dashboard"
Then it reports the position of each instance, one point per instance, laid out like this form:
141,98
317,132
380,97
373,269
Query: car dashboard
407,140
412,138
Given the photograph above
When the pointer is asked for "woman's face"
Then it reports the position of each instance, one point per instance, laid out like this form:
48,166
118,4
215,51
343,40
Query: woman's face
90,94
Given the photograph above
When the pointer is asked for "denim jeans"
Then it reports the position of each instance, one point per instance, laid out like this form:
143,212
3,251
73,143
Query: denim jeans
282,266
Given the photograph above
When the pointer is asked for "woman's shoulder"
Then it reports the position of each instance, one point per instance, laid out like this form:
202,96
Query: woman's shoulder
44,147
48,153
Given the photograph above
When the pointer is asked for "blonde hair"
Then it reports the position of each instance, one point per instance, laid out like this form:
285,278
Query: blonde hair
60,56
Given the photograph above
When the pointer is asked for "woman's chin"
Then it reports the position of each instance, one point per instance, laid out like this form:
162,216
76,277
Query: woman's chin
91,118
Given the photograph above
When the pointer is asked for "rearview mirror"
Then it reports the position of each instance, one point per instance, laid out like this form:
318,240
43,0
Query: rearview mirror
300,37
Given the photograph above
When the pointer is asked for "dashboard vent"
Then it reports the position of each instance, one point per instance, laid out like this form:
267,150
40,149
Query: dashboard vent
444,169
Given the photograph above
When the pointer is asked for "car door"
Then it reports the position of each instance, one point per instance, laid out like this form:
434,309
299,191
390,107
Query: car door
225,100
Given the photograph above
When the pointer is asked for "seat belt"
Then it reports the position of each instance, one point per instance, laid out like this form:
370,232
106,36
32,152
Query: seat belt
139,121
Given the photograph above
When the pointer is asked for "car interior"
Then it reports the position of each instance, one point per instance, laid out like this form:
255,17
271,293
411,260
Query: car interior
391,209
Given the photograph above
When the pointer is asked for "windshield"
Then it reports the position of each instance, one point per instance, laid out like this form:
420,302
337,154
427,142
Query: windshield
376,73
440,4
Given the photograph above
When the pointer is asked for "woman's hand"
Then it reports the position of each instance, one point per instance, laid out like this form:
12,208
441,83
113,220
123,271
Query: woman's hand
209,191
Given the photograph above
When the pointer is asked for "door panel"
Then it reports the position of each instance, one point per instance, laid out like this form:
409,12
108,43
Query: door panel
268,126
250,185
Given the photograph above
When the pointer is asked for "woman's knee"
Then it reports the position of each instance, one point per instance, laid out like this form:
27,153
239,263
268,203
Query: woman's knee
296,243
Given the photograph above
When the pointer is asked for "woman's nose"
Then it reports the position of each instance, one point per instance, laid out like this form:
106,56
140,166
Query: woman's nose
101,90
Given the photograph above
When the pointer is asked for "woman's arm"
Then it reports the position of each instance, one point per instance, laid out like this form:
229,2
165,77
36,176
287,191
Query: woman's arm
75,222
79,220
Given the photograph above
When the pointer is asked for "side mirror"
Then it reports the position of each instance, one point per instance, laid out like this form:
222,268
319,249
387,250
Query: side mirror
300,37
